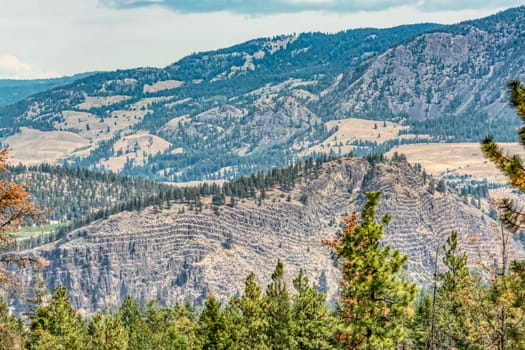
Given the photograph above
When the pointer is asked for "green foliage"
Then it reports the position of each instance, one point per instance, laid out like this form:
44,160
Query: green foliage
57,325
248,313
106,332
313,322
11,329
133,321
511,165
456,323
374,300
278,311
214,326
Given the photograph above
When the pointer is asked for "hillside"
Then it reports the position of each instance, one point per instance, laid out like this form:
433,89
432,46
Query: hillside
210,115
73,194
263,103
176,251
447,83
14,90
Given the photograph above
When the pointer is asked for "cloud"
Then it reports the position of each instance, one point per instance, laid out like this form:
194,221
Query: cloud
264,7
11,67
261,7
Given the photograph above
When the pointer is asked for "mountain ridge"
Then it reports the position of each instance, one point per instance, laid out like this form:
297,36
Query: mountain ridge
267,102
175,252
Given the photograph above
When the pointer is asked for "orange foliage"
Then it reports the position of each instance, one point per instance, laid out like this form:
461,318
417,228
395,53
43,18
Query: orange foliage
15,208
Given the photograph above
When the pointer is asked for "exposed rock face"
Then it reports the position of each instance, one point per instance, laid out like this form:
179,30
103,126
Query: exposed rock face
457,72
175,256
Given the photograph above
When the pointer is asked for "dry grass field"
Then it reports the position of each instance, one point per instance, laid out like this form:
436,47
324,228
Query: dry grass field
461,158
353,129
32,146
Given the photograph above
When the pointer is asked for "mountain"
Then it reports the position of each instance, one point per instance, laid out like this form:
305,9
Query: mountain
14,90
269,101
177,251
213,114
452,76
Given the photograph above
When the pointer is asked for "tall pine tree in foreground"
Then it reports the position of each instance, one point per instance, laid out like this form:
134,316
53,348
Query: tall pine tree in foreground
512,166
374,300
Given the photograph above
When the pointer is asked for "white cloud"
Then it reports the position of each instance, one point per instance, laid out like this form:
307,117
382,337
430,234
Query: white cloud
11,67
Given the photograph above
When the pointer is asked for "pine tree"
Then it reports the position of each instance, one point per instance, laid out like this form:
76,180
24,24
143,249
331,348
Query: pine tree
313,329
511,165
278,311
456,321
11,329
135,325
182,331
252,322
374,300
106,332
57,325
214,328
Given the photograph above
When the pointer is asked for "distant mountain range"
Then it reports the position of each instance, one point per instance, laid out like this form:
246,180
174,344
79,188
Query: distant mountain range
268,101
14,90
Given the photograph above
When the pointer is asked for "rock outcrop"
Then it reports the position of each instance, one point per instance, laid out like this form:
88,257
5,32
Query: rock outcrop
176,254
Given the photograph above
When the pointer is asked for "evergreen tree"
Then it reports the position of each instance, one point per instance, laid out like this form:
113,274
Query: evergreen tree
502,310
511,165
135,325
214,328
374,300
106,332
251,320
57,325
278,311
182,331
456,322
421,324
11,329
314,325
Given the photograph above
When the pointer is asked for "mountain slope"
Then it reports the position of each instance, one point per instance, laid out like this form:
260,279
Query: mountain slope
214,112
178,253
456,72
270,101
13,90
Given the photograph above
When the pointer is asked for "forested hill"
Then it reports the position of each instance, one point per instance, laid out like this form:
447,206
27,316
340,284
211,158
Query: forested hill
183,247
260,104
71,194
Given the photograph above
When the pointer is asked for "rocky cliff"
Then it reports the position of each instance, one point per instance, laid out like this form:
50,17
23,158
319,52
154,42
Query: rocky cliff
174,253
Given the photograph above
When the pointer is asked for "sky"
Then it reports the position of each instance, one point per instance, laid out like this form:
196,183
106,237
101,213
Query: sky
51,38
